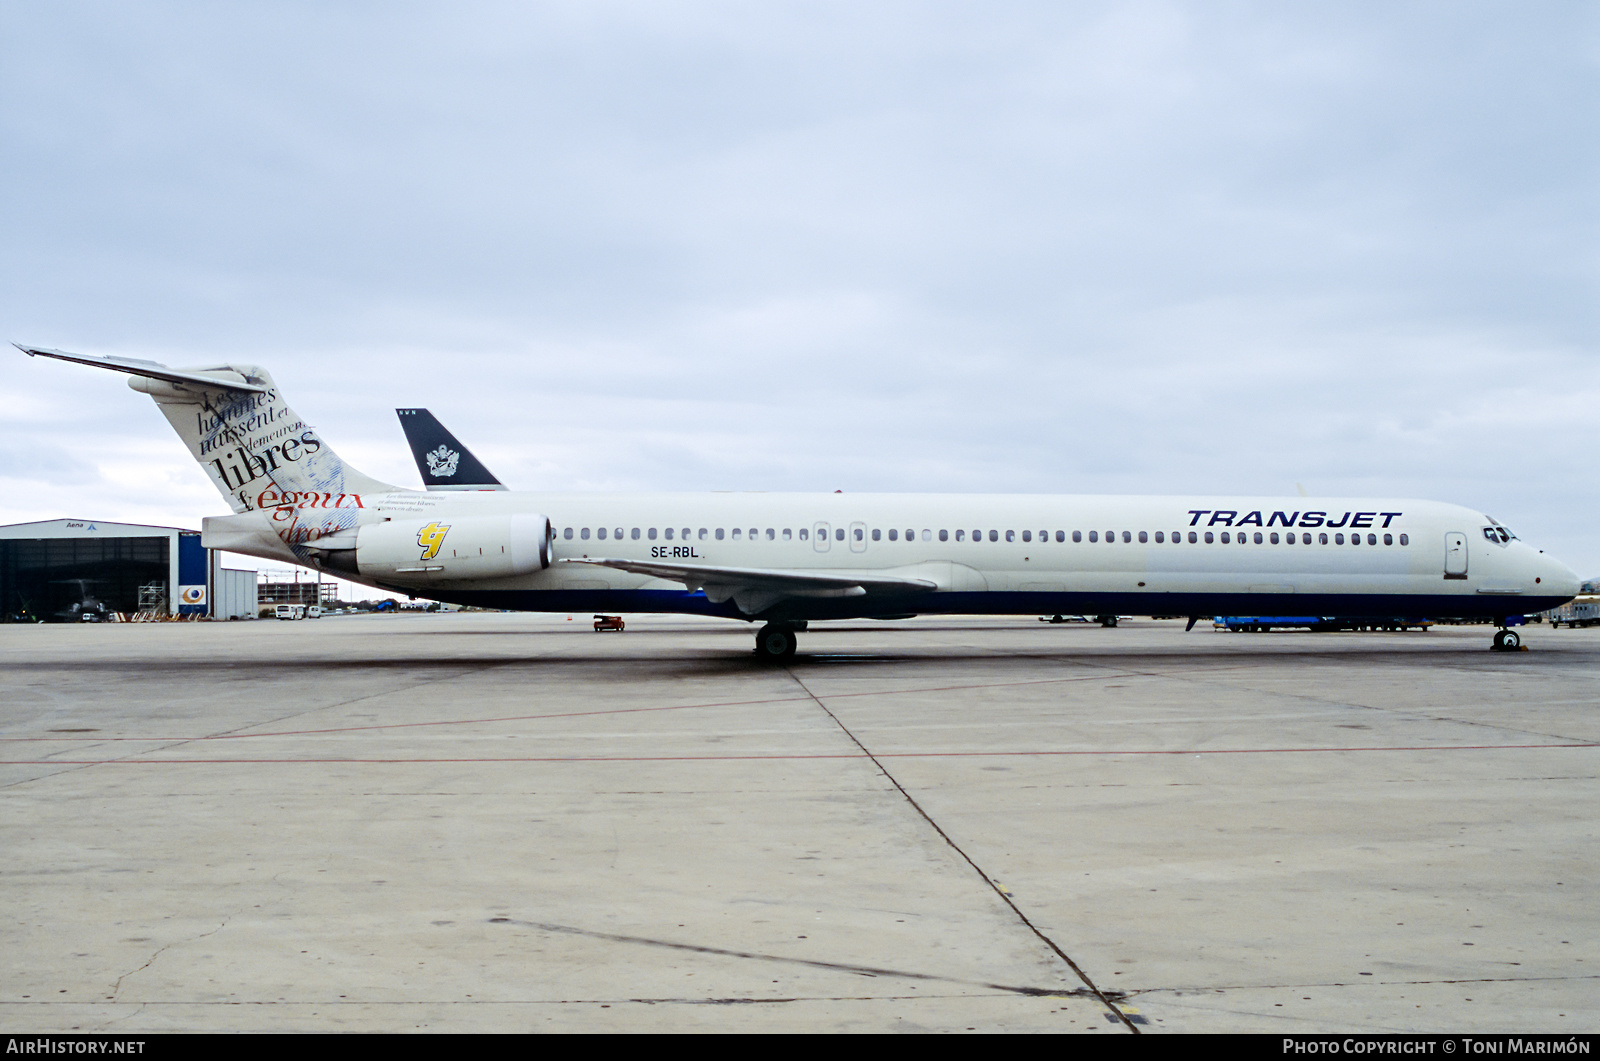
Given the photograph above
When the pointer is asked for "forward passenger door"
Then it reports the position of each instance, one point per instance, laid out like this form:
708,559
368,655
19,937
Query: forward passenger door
1455,555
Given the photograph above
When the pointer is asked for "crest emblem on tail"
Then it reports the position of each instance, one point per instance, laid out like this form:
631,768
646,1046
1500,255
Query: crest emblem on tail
442,462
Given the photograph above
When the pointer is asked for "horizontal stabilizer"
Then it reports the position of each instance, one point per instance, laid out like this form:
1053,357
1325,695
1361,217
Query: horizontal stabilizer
134,366
255,449
444,463
754,590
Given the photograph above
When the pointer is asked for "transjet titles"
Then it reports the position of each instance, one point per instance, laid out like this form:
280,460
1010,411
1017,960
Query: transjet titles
1226,518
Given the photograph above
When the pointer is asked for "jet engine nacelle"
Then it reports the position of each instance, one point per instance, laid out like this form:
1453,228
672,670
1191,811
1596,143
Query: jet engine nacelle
446,549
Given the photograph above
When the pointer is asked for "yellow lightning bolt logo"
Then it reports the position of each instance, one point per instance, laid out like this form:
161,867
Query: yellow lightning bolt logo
430,538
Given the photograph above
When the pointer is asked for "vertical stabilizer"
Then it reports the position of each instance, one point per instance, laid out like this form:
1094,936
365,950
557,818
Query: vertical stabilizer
444,463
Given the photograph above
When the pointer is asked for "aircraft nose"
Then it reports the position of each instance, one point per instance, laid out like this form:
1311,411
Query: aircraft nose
1557,578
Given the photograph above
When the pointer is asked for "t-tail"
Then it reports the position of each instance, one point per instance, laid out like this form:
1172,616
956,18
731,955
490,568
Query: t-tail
443,462
260,454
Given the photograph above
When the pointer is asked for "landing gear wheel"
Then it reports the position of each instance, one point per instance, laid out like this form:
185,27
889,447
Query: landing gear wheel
1507,641
776,643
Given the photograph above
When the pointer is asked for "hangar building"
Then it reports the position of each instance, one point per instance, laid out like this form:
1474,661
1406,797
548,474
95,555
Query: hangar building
56,570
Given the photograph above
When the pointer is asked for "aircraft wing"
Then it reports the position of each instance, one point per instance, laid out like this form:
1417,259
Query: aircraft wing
754,590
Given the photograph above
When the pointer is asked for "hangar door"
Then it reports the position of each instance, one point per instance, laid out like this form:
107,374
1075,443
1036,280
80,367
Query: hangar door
41,577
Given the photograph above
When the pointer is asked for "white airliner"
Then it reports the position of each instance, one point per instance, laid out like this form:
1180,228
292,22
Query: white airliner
786,559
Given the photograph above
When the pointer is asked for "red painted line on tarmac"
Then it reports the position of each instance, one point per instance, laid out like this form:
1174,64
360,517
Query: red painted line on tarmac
569,714
830,755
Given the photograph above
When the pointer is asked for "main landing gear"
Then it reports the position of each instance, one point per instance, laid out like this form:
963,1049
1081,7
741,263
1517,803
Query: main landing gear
1507,641
776,642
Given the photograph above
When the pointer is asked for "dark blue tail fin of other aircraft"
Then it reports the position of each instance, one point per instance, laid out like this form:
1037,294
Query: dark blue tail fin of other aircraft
445,463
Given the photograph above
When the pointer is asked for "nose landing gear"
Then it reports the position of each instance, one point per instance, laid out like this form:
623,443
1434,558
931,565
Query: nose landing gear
1507,641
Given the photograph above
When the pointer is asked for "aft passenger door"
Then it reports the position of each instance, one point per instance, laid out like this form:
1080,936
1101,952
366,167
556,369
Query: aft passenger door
1455,555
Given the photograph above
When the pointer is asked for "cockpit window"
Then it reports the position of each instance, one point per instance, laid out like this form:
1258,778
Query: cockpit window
1497,534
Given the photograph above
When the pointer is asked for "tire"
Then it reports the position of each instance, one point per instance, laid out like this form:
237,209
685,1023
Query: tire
776,643
1507,641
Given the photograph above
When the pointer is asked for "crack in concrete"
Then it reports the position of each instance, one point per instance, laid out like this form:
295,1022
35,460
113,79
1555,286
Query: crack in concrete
815,963
1000,892
117,986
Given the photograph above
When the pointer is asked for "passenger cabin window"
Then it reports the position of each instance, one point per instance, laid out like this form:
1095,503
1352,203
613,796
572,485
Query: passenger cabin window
1011,536
961,535
1160,537
944,535
787,534
719,534
736,534
1208,537
1225,539
1077,536
584,534
804,534
1143,537
1094,536
703,533
894,534
567,534
1061,536
1027,536
667,534
1127,537
927,535
1405,539
1193,537
877,535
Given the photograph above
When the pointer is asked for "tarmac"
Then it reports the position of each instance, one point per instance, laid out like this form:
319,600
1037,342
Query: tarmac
498,822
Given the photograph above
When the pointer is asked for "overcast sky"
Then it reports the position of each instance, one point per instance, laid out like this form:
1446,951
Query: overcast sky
1040,248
